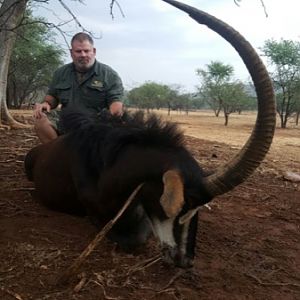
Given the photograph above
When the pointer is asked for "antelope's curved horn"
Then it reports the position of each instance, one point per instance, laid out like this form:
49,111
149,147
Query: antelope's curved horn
253,152
189,215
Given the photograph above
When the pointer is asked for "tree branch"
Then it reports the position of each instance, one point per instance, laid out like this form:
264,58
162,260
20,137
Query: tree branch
112,3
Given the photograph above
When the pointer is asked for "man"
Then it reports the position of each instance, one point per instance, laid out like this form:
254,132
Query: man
84,83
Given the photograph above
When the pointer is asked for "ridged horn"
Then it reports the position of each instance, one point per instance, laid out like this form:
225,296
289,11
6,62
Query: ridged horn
253,152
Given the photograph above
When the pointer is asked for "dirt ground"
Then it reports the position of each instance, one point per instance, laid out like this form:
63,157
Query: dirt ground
248,244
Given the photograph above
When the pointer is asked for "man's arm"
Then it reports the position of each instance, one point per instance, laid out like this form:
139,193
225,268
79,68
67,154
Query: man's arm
115,92
49,103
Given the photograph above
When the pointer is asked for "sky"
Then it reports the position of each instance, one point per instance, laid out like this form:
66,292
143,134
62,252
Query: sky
154,41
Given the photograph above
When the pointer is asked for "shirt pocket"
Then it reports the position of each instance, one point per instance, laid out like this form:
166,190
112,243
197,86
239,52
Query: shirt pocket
96,97
64,93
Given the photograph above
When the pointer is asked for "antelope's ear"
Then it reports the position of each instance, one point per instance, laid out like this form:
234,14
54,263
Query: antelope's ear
172,198
187,216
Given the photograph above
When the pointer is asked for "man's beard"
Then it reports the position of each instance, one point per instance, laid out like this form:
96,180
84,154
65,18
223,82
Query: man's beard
84,65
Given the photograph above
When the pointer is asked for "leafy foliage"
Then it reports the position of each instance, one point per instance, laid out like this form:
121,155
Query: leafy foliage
152,95
33,61
220,91
284,57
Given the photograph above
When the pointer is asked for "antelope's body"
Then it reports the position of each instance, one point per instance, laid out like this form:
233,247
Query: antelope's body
93,169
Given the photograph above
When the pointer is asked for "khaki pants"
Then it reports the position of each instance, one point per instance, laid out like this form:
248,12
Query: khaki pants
54,118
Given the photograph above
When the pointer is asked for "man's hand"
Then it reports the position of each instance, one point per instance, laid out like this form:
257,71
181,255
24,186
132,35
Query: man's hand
116,108
40,108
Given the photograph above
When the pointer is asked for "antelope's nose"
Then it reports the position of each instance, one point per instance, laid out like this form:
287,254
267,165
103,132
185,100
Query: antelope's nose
174,257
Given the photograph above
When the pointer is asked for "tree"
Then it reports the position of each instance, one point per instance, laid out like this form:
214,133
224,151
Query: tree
297,104
212,80
11,19
11,12
284,56
149,95
174,100
234,98
32,63
297,113
220,91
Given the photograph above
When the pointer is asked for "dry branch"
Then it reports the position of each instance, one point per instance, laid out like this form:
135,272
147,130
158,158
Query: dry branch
171,281
272,283
87,251
104,291
11,293
144,264
81,283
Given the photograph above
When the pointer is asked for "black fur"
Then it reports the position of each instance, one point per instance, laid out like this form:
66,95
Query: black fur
95,166
99,140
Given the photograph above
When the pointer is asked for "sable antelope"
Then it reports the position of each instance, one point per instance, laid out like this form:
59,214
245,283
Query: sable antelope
95,167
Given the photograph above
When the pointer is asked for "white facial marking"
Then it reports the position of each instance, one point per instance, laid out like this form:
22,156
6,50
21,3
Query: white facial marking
164,231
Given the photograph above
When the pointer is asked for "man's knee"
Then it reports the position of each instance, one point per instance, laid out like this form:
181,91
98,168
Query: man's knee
45,129
42,122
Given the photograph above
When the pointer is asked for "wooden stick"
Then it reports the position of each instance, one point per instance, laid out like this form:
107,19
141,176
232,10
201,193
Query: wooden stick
11,293
172,280
272,283
65,277
145,264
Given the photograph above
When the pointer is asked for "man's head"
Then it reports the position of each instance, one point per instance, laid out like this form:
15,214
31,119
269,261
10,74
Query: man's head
82,51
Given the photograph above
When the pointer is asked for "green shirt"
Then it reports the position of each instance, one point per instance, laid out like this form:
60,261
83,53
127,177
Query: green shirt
94,90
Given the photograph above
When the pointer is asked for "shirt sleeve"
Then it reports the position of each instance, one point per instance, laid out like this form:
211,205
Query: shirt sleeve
52,91
115,89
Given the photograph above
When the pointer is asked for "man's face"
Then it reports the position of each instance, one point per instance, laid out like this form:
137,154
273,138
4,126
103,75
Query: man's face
83,55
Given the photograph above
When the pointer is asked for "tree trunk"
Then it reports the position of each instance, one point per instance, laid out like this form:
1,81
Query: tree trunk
11,12
283,120
226,119
226,115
